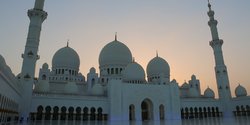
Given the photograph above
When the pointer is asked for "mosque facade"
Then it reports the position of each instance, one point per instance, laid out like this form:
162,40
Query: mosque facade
121,91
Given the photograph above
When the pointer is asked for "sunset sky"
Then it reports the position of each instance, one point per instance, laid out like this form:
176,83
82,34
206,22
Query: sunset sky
177,29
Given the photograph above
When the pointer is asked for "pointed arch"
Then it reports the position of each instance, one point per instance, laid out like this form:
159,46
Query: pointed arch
131,112
162,112
147,110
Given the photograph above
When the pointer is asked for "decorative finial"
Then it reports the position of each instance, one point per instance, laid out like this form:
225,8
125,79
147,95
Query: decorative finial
115,36
133,60
209,5
68,43
156,53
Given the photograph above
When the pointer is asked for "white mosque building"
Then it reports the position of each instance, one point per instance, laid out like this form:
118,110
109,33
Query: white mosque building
121,91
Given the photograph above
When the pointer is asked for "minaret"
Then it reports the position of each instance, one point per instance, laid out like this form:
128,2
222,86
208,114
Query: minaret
220,68
30,56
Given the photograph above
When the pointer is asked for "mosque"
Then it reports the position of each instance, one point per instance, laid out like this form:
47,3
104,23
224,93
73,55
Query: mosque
120,91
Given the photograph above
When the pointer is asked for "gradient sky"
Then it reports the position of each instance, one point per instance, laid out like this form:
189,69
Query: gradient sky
177,29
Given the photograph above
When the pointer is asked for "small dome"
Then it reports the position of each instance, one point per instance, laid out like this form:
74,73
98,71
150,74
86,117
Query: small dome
209,93
42,86
66,57
134,71
185,85
71,88
92,70
240,91
158,66
97,89
115,53
193,77
45,66
174,81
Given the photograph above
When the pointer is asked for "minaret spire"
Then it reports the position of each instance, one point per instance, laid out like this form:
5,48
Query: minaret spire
209,5
221,73
30,55
39,4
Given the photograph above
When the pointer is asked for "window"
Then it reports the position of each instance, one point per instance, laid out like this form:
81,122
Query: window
112,70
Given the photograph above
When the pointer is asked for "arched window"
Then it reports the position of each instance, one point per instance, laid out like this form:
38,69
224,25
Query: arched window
92,81
161,109
182,113
191,115
92,114
131,112
200,113
209,112
187,113
196,112
205,112
112,70
70,72
248,110
55,113
243,111
108,71
39,114
99,114
78,113
71,113
47,113
43,77
85,113
63,113
217,112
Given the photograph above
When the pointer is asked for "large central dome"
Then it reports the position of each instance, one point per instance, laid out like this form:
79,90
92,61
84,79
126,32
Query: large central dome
66,57
115,53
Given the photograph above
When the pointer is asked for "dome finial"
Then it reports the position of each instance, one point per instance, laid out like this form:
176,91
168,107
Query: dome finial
209,5
68,43
133,60
115,36
156,53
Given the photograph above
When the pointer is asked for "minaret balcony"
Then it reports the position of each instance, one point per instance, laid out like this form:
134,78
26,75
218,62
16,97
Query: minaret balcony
212,22
34,12
215,42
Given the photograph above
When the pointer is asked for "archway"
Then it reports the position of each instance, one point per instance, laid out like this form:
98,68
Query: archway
99,114
71,113
55,113
161,109
131,112
63,113
92,114
78,113
85,113
147,110
39,113
47,113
